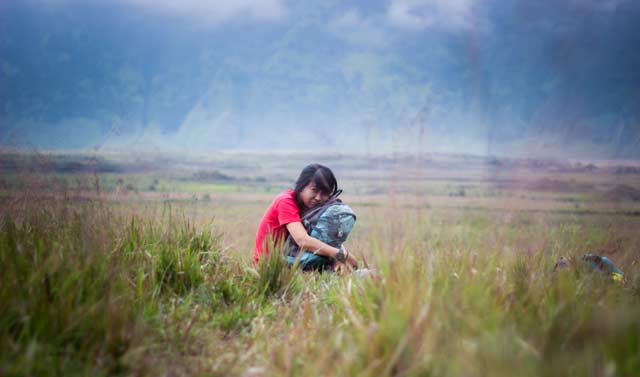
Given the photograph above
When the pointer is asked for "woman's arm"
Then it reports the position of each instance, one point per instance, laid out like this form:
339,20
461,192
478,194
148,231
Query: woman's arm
314,245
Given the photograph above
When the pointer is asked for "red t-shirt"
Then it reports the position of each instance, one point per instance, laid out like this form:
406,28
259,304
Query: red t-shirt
273,227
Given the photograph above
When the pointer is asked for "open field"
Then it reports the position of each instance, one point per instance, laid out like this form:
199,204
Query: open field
140,265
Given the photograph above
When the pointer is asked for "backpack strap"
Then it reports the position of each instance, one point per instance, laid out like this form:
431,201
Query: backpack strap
311,215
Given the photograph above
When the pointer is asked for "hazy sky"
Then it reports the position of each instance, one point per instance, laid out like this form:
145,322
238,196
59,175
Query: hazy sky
556,77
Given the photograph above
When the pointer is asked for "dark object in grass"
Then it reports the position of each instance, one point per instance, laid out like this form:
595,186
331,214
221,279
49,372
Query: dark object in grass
596,262
602,264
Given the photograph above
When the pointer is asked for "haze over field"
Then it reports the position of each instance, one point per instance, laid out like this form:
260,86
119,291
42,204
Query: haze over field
533,78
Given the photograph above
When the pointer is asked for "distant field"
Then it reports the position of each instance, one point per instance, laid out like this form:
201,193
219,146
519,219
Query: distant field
140,265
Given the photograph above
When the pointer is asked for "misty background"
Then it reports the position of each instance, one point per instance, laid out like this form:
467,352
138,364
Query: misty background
544,78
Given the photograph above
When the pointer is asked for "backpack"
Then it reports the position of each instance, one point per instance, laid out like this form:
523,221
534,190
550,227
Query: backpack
330,223
603,264
594,262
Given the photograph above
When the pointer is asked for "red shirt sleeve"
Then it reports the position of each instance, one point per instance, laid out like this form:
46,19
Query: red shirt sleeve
288,211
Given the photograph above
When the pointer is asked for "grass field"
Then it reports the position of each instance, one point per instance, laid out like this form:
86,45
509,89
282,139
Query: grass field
140,265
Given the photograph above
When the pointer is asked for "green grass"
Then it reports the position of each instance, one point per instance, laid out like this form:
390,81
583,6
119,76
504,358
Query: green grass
95,288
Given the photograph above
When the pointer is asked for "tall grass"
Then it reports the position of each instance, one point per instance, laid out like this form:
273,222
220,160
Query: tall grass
81,285
91,288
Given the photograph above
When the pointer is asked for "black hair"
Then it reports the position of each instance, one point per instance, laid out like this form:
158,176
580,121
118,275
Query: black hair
321,176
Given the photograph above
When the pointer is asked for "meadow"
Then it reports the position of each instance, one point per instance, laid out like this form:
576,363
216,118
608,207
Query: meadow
122,264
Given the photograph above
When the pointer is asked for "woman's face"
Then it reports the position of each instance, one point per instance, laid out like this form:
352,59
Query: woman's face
311,196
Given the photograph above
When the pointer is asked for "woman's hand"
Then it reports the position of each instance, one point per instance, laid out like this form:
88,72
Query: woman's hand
351,261
347,267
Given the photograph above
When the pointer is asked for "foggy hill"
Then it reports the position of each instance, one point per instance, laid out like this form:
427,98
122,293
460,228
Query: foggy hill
556,78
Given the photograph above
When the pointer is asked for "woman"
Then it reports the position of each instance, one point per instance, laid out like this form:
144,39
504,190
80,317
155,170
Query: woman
314,186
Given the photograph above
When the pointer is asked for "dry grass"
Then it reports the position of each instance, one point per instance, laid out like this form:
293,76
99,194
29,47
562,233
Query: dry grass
154,284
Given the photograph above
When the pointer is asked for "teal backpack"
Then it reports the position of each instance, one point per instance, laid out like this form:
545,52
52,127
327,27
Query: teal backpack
330,223
603,264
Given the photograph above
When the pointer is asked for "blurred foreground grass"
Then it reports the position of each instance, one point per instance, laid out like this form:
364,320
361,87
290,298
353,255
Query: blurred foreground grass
91,288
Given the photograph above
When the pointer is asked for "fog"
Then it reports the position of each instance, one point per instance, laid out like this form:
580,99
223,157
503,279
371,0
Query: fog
544,78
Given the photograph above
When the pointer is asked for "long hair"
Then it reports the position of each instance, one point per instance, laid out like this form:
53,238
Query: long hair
321,176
